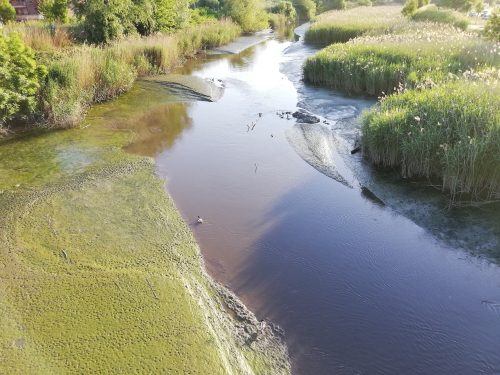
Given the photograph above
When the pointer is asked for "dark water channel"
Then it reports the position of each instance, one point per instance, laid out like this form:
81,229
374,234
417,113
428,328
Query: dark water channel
360,286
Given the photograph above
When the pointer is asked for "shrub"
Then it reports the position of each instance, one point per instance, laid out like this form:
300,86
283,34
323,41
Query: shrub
19,78
341,26
463,5
249,14
433,14
410,8
54,10
492,27
450,132
306,9
7,11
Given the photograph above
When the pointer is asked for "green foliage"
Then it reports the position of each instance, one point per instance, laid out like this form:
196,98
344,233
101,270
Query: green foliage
249,14
365,3
462,5
54,10
19,78
285,8
341,26
325,5
105,21
410,8
450,132
492,27
7,11
306,9
92,74
433,14
419,54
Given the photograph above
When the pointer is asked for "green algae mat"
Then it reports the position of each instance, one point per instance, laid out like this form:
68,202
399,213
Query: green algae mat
99,273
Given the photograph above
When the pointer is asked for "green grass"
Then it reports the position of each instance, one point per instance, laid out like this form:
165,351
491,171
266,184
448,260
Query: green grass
449,133
339,26
414,55
99,272
432,13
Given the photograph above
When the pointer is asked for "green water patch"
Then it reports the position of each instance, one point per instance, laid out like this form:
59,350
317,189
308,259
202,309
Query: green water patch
99,272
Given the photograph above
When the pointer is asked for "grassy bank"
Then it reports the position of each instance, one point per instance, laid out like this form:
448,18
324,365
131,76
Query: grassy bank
80,75
100,273
414,55
432,13
449,133
341,26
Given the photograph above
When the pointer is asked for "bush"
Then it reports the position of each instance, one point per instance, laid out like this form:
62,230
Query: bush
7,11
410,8
54,10
450,132
341,26
306,9
19,79
433,14
249,14
492,27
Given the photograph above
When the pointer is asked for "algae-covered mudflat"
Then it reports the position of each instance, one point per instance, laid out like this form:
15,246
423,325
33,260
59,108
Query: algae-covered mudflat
99,273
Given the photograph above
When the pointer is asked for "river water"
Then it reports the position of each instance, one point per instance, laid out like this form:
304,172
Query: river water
365,274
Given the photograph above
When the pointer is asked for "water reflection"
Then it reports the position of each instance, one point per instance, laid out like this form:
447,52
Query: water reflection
155,117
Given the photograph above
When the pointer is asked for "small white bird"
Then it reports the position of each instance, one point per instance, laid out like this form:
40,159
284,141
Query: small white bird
200,220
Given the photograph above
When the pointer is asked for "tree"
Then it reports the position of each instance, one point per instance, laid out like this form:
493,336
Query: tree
462,5
285,8
19,78
54,10
7,11
410,8
249,14
306,9
492,27
105,20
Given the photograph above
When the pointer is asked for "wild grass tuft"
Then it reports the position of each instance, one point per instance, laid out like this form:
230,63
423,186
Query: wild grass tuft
339,26
450,132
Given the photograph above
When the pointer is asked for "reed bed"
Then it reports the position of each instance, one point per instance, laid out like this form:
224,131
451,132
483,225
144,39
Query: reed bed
432,13
339,26
413,56
85,75
450,132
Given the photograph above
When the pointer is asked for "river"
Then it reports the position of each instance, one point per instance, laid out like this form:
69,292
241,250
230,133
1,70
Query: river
366,274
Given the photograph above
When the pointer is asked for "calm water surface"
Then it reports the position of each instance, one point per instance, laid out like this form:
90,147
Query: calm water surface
358,286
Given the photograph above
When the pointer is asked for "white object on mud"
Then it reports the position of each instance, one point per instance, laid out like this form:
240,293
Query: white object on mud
200,220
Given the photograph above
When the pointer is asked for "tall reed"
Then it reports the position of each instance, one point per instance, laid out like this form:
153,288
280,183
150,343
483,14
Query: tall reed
450,133
415,55
339,26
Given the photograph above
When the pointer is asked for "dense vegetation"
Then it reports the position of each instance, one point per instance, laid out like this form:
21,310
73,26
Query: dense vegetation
447,16
492,27
339,27
450,132
7,11
414,55
440,101
20,78
131,38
